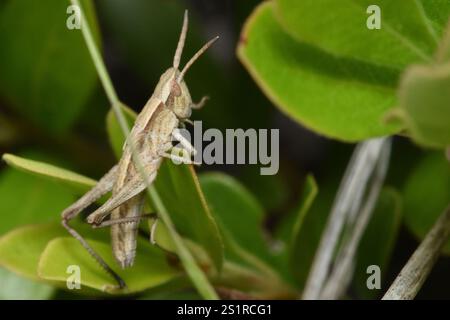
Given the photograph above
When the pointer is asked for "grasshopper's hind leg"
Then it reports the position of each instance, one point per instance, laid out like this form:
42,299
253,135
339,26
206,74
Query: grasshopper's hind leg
111,222
94,254
152,216
102,187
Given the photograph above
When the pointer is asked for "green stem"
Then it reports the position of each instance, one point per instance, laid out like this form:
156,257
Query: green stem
196,275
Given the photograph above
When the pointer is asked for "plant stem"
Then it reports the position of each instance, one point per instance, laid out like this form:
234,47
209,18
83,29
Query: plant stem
196,275
342,272
415,272
345,209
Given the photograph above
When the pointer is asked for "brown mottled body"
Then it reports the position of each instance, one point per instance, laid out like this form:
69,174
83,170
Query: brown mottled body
151,137
159,133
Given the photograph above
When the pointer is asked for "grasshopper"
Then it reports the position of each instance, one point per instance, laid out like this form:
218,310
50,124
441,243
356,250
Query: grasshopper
155,128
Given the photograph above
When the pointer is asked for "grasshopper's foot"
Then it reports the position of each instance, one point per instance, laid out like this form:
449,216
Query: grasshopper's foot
115,288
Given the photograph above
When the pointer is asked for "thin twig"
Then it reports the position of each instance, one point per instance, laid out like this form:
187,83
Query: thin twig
344,265
197,276
346,204
415,272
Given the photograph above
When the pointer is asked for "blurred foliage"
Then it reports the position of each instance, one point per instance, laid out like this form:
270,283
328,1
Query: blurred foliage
340,81
427,193
38,76
310,58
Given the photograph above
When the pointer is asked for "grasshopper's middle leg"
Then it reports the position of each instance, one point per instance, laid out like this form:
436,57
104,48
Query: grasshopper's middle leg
102,187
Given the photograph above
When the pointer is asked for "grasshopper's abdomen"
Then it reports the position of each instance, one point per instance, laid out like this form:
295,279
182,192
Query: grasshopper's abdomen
157,139
124,236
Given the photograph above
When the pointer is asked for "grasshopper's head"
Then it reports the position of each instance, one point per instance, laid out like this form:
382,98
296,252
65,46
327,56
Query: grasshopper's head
174,91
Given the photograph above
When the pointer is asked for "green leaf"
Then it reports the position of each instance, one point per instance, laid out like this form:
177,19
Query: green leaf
180,192
340,27
116,139
337,97
425,104
46,71
28,199
17,288
150,268
438,11
425,100
21,248
305,233
42,252
74,180
297,245
238,213
426,194
378,240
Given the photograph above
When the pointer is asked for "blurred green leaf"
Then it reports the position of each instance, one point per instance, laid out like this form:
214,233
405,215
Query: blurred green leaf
339,27
112,126
438,12
180,192
17,288
271,191
426,194
378,240
150,268
28,199
238,213
425,104
21,248
46,73
424,98
297,244
337,97
43,252
74,180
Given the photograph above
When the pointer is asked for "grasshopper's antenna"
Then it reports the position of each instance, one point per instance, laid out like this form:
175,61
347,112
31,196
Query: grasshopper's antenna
177,57
195,57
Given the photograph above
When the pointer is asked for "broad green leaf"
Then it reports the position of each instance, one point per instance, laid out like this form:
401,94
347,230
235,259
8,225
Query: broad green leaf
42,252
21,248
115,139
180,192
337,97
378,241
28,199
406,35
424,100
14,287
150,268
425,104
426,194
178,289
238,213
74,180
438,12
46,73
271,191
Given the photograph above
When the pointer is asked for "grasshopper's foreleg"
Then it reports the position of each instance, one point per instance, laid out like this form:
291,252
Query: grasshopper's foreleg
184,158
184,142
102,187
